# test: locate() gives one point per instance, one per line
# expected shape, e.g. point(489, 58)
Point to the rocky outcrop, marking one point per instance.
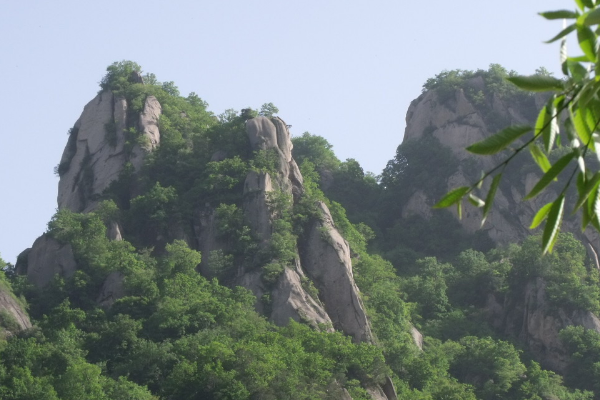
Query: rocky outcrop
point(529, 317)
point(290, 300)
point(13, 316)
point(326, 256)
point(112, 289)
point(97, 150)
point(288, 297)
point(45, 259)
point(458, 121)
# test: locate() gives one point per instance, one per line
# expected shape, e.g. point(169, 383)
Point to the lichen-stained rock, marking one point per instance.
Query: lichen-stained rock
point(46, 258)
point(529, 317)
point(97, 153)
point(325, 255)
point(290, 300)
point(12, 310)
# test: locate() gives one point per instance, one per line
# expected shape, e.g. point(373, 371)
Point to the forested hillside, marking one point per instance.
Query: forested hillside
point(202, 256)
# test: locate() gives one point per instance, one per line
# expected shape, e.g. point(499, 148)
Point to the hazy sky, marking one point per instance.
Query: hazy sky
point(345, 70)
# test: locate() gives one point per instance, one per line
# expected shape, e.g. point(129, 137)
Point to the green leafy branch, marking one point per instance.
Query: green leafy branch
point(578, 96)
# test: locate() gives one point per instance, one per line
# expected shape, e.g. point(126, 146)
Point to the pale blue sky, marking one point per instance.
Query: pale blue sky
point(345, 70)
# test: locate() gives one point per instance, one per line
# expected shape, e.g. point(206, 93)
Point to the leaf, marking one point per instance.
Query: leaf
point(563, 56)
point(580, 4)
point(476, 201)
point(551, 128)
point(592, 17)
point(539, 157)
point(452, 197)
point(543, 126)
point(559, 14)
point(581, 127)
point(498, 141)
point(589, 186)
point(587, 93)
point(577, 71)
point(540, 216)
point(489, 200)
point(459, 209)
point(537, 83)
point(550, 175)
point(587, 42)
point(563, 33)
point(553, 224)
point(588, 3)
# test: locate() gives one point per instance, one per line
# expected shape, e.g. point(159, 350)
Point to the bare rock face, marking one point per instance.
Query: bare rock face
point(11, 309)
point(458, 122)
point(257, 187)
point(537, 324)
point(96, 152)
point(290, 300)
point(112, 289)
point(148, 128)
point(326, 257)
point(46, 258)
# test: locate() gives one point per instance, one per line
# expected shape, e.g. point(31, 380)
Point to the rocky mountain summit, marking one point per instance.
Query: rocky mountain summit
point(454, 118)
point(315, 285)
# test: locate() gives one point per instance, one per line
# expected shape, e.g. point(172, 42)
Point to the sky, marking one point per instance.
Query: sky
point(344, 70)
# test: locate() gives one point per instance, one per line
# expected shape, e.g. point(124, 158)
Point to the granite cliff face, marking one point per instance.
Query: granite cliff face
point(457, 121)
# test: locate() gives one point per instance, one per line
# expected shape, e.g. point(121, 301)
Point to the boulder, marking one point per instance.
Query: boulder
point(46, 258)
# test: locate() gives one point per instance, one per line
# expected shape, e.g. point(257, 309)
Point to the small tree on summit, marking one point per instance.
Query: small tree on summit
point(268, 110)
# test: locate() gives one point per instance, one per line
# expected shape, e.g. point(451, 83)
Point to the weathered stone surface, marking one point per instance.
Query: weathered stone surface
point(257, 187)
point(95, 154)
point(536, 323)
point(376, 393)
point(417, 337)
point(148, 128)
point(252, 280)
point(112, 289)
point(92, 162)
point(13, 308)
point(113, 231)
point(326, 257)
point(46, 258)
point(290, 300)
point(284, 142)
point(457, 123)
point(262, 133)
